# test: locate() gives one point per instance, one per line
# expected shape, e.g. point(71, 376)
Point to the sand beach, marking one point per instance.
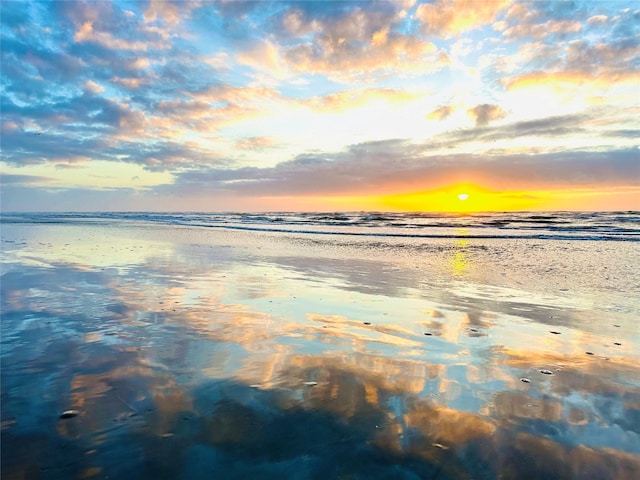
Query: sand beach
point(137, 349)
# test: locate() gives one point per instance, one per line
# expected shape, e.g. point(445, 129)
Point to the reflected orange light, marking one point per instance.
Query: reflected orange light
point(460, 261)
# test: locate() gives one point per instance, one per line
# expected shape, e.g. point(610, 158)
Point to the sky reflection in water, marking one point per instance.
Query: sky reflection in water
point(192, 354)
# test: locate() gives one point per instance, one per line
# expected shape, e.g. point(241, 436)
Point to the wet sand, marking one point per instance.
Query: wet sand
point(141, 351)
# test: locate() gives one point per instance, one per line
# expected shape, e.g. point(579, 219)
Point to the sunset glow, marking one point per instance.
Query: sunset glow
point(479, 199)
point(252, 106)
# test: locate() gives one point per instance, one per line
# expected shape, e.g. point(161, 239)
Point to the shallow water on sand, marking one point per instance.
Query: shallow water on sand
point(190, 353)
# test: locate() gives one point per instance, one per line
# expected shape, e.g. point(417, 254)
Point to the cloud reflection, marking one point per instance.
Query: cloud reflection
point(202, 361)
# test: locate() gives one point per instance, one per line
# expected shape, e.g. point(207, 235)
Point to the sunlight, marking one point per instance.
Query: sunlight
point(460, 260)
point(462, 198)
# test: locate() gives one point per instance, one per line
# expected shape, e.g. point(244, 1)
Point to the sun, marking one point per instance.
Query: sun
point(463, 196)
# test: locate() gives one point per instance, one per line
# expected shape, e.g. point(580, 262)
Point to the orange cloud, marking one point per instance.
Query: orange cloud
point(170, 13)
point(220, 105)
point(130, 82)
point(440, 113)
point(569, 79)
point(86, 33)
point(352, 46)
point(446, 18)
point(345, 61)
point(187, 108)
point(255, 143)
point(264, 55)
point(203, 116)
point(236, 95)
point(354, 98)
point(93, 87)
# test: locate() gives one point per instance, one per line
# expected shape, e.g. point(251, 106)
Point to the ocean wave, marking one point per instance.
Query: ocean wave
point(597, 226)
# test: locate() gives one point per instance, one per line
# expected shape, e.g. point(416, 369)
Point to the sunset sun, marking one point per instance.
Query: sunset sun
point(463, 196)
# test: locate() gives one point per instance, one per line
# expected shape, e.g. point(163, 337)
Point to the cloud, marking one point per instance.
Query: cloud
point(592, 124)
point(485, 113)
point(255, 143)
point(94, 99)
point(538, 21)
point(21, 147)
point(30, 69)
point(567, 65)
point(213, 107)
point(531, 12)
point(597, 19)
point(384, 167)
point(564, 80)
point(230, 94)
point(106, 25)
point(265, 55)
point(164, 155)
point(87, 33)
point(440, 113)
point(598, 58)
point(36, 198)
point(626, 133)
point(93, 87)
point(122, 55)
point(89, 81)
point(359, 60)
point(558, 22)
point(15, 179)
point(540, 30)
point(563, 125)
point(357, 97)
point(347, 44)
point(130, 83)
point(447, 18)
point(170, 13)
point(376, 168)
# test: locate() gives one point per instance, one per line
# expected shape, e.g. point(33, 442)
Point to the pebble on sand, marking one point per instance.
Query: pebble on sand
point(440, 446)
point(546, 372)
point(525, 380)
point(554, 332)
point(70, 413)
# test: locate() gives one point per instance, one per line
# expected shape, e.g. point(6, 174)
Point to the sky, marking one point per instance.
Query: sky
point(447, 105)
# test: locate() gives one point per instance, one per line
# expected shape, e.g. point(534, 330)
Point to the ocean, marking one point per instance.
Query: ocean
point(320, 345)
point(522, 225)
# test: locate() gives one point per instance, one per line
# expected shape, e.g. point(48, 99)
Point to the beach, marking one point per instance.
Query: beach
point(138, 347)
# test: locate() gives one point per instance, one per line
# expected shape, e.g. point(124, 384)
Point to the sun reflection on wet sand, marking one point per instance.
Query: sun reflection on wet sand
point(222, 357)
point(460, 260)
